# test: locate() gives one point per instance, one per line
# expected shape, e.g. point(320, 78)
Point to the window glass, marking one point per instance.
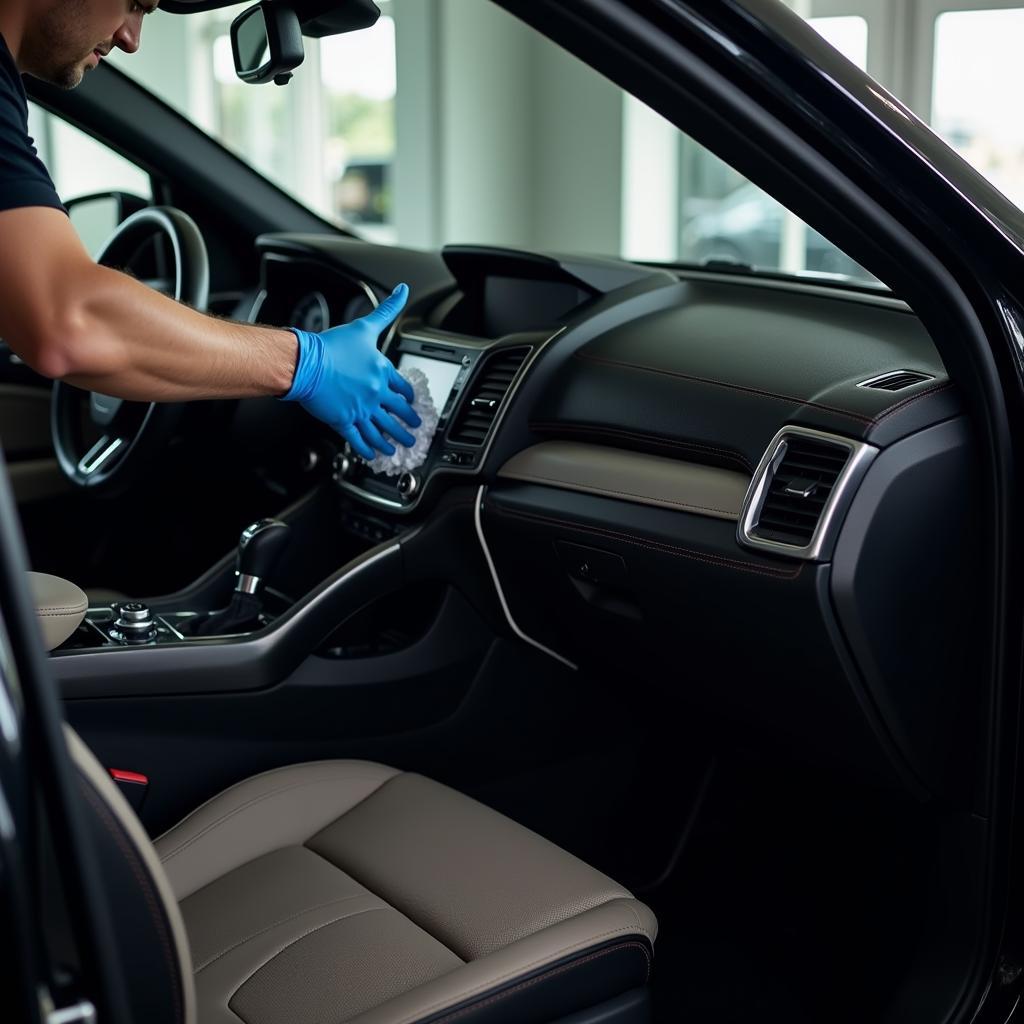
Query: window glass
point(328, 137)
point(81, 166)
point(726, 218)
point(978, 80)
point(359, 81)
point(848, 34)
point(78, 164)
point(456, 123)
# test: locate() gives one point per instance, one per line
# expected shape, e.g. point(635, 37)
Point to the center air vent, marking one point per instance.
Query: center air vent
point(805, 478)
point(486, 393)
point(897, 380)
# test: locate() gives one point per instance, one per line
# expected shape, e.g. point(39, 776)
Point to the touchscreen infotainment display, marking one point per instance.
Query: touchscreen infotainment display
point(440, 376)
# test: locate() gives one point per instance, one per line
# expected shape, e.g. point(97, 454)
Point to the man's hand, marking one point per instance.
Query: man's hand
point(342, 379)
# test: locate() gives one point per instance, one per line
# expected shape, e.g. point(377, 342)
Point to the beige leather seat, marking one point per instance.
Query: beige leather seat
point(345, 891)
point(60, 607)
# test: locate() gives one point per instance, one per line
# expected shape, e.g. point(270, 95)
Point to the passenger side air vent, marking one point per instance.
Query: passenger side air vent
point(802, 484)
point(897, 380)
point(486, 393)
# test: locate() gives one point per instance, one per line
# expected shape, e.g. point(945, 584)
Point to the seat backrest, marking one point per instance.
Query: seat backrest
point(150, 934)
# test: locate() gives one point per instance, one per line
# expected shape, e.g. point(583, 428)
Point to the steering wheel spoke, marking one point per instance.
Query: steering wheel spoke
point(132, 432)
point(103, 408)
point(102, 455)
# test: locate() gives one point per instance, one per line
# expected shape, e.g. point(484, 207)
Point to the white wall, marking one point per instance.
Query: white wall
point(578, 139)
point(485, 120)
point(162, 63)
point(502, 138)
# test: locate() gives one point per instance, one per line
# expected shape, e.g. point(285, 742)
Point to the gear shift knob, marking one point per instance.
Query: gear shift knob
point(259, 548)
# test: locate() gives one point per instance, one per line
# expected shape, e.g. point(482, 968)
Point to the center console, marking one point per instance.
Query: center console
point(470, 381)
point(474, 349)
point(475, 343)
point(252, 604)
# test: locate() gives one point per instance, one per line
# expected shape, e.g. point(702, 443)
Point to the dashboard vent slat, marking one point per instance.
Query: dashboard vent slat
point(480, 406)
point(799, 490)
point(897, 380)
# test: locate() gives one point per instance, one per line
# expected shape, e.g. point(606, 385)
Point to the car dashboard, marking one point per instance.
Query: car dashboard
point(746, 491)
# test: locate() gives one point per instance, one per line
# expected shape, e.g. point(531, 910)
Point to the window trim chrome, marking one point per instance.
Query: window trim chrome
point(820, 545)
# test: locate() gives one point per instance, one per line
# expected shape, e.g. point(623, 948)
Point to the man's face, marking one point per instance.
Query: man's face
point(65, 38)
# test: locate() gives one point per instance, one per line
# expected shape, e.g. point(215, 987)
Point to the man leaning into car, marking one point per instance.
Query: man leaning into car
point(71, 319)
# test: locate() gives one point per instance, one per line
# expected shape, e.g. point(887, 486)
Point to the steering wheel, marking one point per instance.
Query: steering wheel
point(130, 432)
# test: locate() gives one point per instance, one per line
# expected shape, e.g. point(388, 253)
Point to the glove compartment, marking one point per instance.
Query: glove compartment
point(641, 590)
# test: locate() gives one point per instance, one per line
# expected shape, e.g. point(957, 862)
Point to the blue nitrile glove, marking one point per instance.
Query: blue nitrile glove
point(342, 379)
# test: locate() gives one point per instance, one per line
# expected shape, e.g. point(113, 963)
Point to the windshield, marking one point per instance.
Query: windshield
point(430, 129)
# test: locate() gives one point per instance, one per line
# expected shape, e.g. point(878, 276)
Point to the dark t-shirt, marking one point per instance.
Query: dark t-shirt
point(24, 181)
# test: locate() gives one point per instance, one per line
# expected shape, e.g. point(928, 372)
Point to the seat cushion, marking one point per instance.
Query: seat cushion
point(348, 891)
point(60, 607)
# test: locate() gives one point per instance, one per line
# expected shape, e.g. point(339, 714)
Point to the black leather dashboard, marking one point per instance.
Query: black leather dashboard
point(608, 440)
point(717, 374)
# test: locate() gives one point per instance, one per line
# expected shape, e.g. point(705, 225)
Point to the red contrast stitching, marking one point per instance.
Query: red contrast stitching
point(871, 421)
point(653, 545)
point(899, 406)
point(642, 498)
point(544, 426)
point(100, 806)
point(725, 384)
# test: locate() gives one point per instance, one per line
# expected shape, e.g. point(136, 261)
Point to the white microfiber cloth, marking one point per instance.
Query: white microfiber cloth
point(404, 458)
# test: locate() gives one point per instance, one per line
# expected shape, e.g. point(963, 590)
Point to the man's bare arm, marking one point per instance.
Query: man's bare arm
point(73, 320)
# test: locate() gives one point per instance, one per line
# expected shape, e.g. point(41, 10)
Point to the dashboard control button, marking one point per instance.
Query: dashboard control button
point(458, 458)
point(408, 484)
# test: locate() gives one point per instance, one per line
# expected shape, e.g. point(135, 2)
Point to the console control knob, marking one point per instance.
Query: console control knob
point(133, 612)
point(408, 484)
point(342, 466)
point(134, 624)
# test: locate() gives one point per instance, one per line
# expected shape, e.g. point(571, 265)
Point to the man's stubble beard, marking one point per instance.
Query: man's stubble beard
point(55, 44)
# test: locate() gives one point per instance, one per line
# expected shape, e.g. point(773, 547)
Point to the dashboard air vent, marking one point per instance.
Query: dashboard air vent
point(486, 393)
point(897, 380)
point(799, 490)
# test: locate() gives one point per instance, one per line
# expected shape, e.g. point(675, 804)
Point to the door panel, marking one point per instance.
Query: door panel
point(25, 432)
point(25, 421)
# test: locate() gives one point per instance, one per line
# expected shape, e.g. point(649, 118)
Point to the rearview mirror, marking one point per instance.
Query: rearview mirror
point(266, 41)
